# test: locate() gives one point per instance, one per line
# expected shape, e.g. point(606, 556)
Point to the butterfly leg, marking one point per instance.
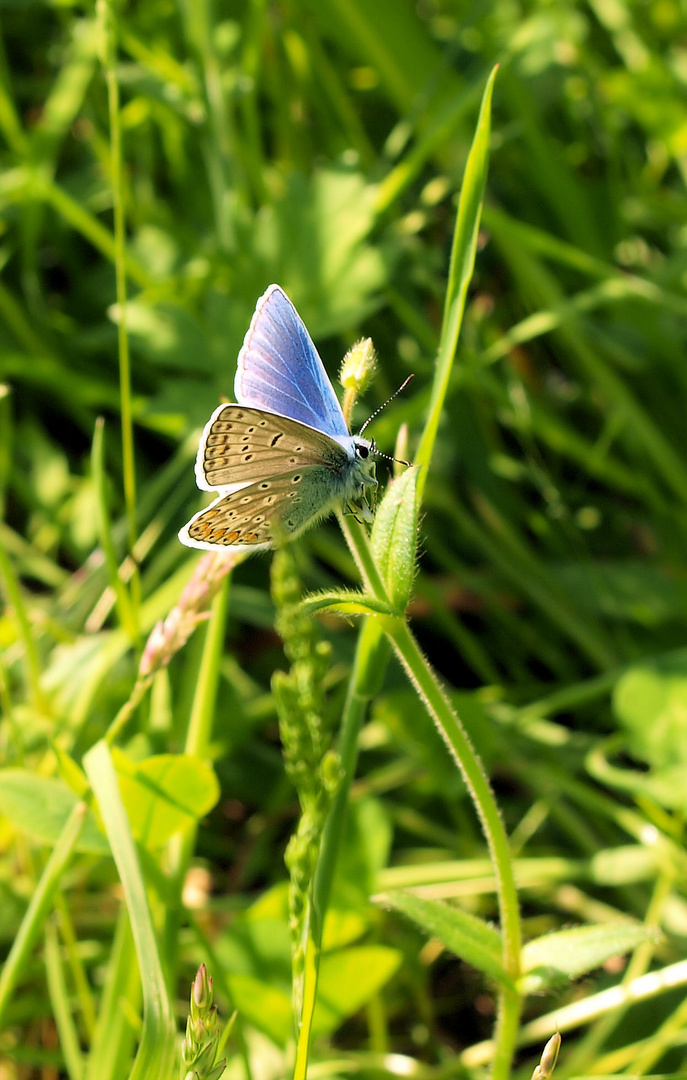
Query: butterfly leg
point(361, 509)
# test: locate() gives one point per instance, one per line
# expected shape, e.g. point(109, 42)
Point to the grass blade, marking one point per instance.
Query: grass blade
point(460, 273)
point(157, 1047)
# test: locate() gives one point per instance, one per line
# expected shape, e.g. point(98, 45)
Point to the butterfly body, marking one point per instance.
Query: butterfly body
point(282, 457)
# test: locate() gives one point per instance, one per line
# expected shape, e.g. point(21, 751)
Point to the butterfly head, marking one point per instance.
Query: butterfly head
point(365, 452)
point(361, 482)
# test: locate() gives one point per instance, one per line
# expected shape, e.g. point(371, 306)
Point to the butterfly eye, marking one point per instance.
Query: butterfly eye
point(362, 451)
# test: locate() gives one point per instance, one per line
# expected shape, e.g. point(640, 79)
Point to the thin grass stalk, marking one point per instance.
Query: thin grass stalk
point(123, 603)
point(108, 17)
point(61, 1004)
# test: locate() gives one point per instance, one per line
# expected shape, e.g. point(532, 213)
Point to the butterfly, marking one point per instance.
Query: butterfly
point(282, 457)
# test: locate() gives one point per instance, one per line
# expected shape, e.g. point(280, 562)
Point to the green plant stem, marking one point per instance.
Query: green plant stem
point(125, 608)
point(370, 664)
point(453, 733)
point(127, 710)
point(41, 902)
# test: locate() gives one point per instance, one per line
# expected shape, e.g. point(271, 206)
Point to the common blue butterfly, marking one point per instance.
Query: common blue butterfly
point(282, 457)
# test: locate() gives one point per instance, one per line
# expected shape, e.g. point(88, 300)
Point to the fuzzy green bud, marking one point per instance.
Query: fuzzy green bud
point(358, 366)
point(357, 369)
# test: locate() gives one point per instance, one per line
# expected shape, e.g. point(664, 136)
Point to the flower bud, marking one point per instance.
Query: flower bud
point(358, 366)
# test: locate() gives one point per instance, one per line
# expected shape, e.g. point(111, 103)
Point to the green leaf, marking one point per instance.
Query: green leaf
point(651, 702)
point(263, 1005)
point(350, 978)
point(566, 955)
point(394, 536)
point(463, 934)
point(39, 806)
point(348, 602)
point(164, 794)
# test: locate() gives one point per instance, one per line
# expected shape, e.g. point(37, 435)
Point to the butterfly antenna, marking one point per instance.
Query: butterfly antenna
point(369, 420)
point(383, 406)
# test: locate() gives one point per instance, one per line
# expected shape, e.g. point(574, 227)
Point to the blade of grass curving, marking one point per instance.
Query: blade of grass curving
point(535, 240)
point(41, 901)
point(108, 20)
point(460, 273)
point(157, 1048)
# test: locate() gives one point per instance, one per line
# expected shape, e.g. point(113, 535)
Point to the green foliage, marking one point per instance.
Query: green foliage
point(161, 165)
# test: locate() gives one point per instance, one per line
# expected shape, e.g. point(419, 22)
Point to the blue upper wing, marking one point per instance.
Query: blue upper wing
point(280, 370)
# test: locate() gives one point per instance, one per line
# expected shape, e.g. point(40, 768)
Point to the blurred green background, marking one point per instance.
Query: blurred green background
point(321, 146)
